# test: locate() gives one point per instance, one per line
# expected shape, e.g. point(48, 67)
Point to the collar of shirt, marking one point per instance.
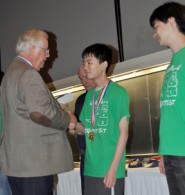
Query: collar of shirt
point(26, 60)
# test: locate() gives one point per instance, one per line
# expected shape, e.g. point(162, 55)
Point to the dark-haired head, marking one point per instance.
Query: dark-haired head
point(168, 10)
point(100, 51)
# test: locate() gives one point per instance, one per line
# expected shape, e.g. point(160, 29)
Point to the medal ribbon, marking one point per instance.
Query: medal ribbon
point(95, 107)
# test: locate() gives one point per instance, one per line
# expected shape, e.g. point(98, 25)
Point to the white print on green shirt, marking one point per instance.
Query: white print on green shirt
point(96, 130)
point(170, 87)
point(103, 114)
point(101, 117)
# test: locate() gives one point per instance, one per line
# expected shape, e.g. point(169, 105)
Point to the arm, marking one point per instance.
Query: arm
point(80, 129)
point(161, 165)
point(110, 177)
point(78, 108)
point(38, 102)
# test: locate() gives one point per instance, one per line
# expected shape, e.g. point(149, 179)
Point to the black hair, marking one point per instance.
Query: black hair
point(167, 10)
point(100, 51)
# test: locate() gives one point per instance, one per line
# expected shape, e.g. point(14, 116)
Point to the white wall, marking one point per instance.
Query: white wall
point(131, 65)
point(77, 24)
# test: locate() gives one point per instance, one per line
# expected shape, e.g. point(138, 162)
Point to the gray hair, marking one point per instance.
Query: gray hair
point(30, 38)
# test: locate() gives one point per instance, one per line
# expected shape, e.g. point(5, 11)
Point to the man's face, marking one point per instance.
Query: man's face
point(93, 68)
point(87, 83)
point(162, 32)
point(40, 54)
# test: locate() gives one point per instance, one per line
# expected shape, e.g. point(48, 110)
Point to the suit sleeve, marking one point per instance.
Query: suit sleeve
point(40, 104)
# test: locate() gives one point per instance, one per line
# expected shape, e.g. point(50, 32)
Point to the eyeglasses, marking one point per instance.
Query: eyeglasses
point(46, 50)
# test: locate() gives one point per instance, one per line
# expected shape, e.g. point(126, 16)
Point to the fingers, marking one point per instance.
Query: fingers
point(73, 119)
point(161, 166)
point(71, 132)
point(109, 183)
point(64, 106)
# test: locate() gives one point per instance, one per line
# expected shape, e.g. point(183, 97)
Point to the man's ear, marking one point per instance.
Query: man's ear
point(104, 65)
point(172, 20)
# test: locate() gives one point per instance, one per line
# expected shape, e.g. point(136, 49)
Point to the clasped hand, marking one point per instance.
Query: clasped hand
point(75, 128)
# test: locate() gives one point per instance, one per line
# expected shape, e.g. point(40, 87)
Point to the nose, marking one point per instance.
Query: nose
point(85, 66)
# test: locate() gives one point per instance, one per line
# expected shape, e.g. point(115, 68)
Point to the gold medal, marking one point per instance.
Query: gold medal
point(91, 136)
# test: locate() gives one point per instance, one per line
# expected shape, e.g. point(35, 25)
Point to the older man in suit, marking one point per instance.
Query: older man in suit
point(34, 145)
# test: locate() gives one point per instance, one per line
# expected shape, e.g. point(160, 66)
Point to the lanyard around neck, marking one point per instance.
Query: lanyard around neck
point(96, 106)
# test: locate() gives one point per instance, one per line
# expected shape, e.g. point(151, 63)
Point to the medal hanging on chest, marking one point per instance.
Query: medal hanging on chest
point(95, 109)
point(91, 136)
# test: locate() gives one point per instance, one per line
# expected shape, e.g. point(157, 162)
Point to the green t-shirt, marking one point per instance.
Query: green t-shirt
point(100, 151)
point(172, 108)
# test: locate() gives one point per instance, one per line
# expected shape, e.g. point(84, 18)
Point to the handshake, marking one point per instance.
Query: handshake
point(75, 127)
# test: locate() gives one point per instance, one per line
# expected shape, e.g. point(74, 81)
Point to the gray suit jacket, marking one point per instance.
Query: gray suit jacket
point(35, 141)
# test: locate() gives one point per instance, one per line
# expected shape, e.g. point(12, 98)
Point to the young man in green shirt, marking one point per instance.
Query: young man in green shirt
point(105, 117)
point(168, 22)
